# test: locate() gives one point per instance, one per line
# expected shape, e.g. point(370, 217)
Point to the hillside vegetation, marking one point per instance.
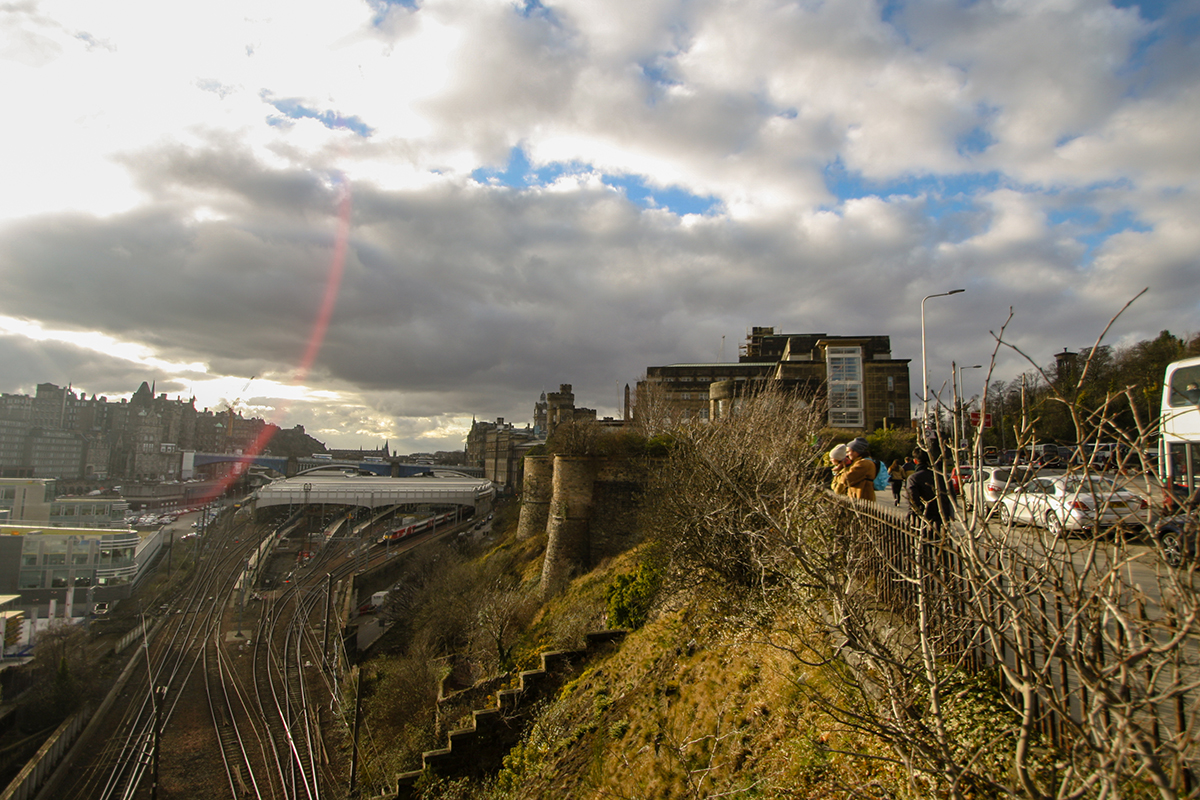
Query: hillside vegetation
point(707, 696)
point(783, 645)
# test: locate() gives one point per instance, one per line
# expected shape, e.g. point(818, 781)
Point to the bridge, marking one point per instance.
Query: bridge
point(336, 487)
point(292, 466)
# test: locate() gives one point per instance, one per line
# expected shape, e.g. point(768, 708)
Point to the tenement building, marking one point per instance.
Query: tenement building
point(499, 448)
point(854, 377)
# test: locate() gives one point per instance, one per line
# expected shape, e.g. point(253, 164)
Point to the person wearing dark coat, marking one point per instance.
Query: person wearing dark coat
point(925, 500)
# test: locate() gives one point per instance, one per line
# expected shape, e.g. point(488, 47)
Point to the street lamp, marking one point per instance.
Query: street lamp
point(924, 368)
point(959, 424)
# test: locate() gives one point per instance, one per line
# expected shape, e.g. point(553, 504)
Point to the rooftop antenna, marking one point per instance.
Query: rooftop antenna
point(721, 355)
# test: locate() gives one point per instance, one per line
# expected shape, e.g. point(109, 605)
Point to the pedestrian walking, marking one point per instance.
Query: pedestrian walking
point(897, 474)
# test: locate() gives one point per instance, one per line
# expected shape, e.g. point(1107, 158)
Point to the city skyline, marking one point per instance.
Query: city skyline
point(380, 220)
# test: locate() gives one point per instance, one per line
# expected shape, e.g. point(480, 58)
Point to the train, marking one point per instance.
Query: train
point(411, 528)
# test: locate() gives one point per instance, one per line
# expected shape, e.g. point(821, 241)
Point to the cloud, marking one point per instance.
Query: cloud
point(520, 179)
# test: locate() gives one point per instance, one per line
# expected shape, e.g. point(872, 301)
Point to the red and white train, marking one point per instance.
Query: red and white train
point(420, 526)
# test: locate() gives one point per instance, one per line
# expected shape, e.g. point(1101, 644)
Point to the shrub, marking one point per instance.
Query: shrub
point(629, 597)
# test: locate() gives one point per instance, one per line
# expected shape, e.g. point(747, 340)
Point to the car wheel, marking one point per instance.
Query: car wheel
point(1005, 515)
point(1171, 544)
point(1054, 524)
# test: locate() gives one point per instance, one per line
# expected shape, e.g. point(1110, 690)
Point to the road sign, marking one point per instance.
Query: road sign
point(987, 419)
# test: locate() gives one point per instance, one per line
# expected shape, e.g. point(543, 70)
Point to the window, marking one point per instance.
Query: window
point(29, 560)
point(891, 408)
point(845, 364)
point(845, 386)
point(1184, 387)
point(891, 386)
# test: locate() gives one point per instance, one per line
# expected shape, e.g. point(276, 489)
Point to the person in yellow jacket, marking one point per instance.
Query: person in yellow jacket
point(859, 476)
point(837, 457)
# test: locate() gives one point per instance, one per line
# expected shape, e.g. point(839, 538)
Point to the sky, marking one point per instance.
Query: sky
point(381, 220)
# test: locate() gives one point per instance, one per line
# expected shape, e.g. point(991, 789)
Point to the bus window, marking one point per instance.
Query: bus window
point(1184, 386)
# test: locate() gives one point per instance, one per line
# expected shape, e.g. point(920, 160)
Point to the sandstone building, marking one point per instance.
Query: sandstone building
point(863, 386)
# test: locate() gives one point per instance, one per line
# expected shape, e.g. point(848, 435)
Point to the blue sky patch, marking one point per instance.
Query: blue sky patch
point(1148, 9)
point(519, 174)
point(1091, 228)
point(295, 109)
point(974, 141)
point(672, 198)
point(847, 185)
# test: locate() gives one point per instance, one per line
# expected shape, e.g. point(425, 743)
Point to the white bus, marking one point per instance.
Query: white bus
point(1179, 428)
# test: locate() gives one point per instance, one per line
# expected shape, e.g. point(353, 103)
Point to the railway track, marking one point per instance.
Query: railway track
point(242, 715)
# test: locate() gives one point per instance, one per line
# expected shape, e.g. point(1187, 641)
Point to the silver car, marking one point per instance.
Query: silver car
point(996, 481)
point(1063, 503)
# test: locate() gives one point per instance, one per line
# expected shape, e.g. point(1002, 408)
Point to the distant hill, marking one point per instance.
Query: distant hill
point(294, 442)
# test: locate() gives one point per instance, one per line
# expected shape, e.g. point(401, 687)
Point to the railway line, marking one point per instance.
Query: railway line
point(233, 696)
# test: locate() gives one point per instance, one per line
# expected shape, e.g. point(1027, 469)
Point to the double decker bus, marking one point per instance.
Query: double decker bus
point(1179, 430)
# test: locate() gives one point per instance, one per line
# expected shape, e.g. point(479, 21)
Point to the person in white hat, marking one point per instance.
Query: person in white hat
point(837, 457)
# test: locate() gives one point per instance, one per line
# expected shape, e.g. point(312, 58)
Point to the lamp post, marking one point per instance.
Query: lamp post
point(960, 394)
point(924, 367)
point(960, 427)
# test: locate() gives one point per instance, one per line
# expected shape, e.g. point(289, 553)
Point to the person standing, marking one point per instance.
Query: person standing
point(896, 476)
point(859, 476)
point(925, 501)
point(837, 457)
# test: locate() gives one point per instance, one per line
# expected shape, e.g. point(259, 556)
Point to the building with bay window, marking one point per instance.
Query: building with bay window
point(861, 385)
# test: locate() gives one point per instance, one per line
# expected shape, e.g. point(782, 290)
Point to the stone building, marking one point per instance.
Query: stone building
point(863, 386)
point(499, 448)
point(58, 433)
point(559, 407)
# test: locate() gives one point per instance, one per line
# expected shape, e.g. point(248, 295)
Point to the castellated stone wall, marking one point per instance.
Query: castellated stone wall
point(590, 514)
point(538, 488)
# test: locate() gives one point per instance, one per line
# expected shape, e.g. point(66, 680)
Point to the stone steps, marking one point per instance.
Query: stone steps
point(480, 749)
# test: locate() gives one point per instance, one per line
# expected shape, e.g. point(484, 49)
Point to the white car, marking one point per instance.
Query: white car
point(1063, 503)
point(996, 481)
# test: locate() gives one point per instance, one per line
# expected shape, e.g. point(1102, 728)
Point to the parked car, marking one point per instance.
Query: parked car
point(958, 476)
point(996, 481)
point(1176, 540)
point(1176, 535)
point(1072, 502)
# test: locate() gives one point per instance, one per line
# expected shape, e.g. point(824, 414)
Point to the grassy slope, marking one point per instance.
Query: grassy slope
point(693, 704)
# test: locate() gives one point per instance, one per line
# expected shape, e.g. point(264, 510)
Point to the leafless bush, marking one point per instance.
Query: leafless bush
point(1090, 638)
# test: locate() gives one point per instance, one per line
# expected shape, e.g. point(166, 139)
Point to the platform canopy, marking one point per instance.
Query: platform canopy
point(374, 491)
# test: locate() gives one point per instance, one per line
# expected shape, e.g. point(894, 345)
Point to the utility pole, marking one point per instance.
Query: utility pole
point(357, 725)
point(328, 605)
point(160, 698)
